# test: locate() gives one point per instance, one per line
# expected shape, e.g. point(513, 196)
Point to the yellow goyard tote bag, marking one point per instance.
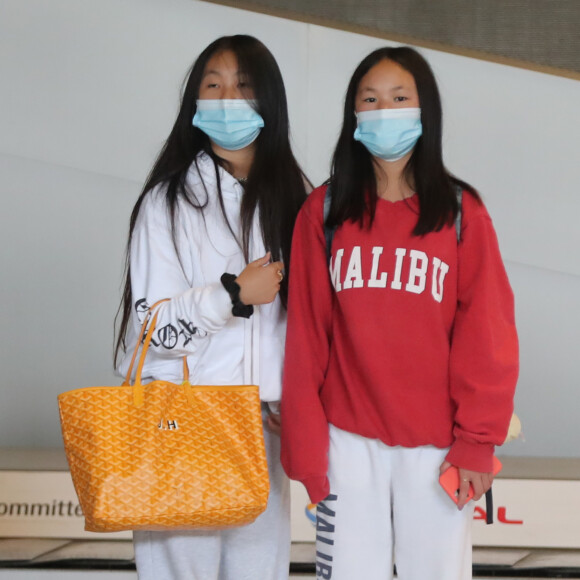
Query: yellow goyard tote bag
point(162, 455)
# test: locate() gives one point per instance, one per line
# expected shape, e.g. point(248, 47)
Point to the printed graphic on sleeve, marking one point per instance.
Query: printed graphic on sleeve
point(141, 308)
point(188, 331)
point(168, 335)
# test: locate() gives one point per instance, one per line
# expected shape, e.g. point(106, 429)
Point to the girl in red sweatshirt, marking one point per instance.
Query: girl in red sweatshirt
point(401, 351)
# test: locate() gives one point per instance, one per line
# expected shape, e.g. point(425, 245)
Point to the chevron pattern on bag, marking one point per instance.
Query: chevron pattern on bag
point(189, 457)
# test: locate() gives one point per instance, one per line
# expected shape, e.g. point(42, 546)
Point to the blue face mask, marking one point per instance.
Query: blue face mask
point(389, 133)
point(230, 123)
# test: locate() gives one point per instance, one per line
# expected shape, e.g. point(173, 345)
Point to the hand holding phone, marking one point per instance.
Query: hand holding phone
point(449, 480)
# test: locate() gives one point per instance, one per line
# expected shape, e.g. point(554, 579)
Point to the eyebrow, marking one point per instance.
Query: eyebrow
point(373, 90)
point(217, 72)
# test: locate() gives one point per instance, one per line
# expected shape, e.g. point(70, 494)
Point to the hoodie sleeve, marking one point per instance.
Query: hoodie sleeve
point(158, 271)
point(305, 437)
point(484, 349)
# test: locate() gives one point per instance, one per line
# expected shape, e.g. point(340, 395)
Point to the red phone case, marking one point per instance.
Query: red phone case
point(449, 480)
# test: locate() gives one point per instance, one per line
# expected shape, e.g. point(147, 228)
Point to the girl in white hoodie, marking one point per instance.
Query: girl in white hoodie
point(211, 231)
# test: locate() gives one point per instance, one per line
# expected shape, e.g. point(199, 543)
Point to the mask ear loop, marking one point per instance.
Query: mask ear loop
point(355, 120)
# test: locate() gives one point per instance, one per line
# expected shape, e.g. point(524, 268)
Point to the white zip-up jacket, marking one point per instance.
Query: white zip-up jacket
point(197, 321)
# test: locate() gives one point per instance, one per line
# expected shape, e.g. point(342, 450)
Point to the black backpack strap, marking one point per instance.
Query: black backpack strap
point(328, 232)
point(488, 493)
point(488, 507)
point(459, 194)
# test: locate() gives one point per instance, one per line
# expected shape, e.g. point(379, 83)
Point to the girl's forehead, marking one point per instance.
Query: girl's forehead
point(224, 60)
point(386, 73)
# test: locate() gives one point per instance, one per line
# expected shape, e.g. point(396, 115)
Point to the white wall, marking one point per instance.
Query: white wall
point(89, 92)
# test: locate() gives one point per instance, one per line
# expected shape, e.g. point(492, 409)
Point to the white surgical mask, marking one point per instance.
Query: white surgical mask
point(230, 123)
point(389, 133)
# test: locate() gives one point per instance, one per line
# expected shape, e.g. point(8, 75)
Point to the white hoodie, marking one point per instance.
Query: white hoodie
point(197, 321)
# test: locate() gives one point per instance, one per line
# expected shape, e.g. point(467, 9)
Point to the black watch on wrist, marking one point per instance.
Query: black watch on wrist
point(233, 289)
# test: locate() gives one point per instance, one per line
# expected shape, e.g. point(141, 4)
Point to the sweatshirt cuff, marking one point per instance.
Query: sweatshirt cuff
point(219, 305)
point(473, 456)
point(317, 487)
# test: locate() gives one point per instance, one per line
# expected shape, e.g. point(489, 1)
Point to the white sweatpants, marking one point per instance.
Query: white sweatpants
point(386, 507)
point(258, 551)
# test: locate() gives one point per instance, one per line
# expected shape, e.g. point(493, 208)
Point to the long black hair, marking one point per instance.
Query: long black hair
point(353, 183)
point(275, 184)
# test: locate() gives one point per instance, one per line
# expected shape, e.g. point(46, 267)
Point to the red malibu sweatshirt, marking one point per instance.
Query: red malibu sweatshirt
point(410, 340)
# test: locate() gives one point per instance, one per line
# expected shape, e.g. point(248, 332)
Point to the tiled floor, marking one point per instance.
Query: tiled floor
point(490, 562)
point(13, 574)
point(50, 559)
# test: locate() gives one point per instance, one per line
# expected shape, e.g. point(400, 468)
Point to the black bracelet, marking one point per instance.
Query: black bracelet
point(233, 289)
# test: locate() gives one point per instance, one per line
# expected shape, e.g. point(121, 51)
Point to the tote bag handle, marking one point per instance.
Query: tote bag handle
point(138, 389)
point(127, 381)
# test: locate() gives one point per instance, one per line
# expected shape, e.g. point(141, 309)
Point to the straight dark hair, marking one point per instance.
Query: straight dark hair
point(353, 183)
point(276, 184)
